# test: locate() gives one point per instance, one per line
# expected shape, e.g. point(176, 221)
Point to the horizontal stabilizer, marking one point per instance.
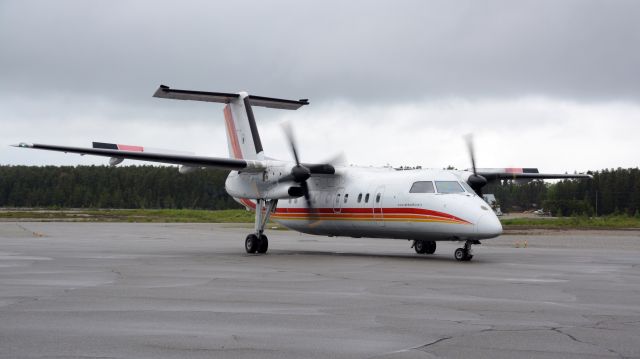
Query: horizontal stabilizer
point(221, 97)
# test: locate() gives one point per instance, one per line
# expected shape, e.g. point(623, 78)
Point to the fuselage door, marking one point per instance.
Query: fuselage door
point(378, 198)
point(337, 200)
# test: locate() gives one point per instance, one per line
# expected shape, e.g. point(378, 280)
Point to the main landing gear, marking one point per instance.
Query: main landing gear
point(464, 254)
point(257, 242)
point(424, 247)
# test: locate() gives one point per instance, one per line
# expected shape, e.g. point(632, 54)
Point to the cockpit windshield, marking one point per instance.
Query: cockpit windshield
point(467, 187)
point(449, 187)
point(422, 187)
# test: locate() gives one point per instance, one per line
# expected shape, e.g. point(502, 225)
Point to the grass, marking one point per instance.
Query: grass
point(134, 215)
point(581, 222)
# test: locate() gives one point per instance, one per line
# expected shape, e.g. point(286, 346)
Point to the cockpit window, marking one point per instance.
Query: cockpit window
point(449, 187)
point(422, 187)
point(467, 187)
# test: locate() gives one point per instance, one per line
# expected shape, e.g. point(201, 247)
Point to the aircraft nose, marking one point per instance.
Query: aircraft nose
point(488, 226)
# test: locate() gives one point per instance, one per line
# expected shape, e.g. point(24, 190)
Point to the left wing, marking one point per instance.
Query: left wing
point(135, 153)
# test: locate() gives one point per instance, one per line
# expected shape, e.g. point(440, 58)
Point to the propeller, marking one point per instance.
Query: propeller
point(476, 181)
point(301, 173)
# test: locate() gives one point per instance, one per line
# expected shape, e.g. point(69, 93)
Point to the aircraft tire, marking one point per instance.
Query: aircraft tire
point(263, 245)
point(462, 255)
point(419, 246)
point(430, 247)
point(251, 244)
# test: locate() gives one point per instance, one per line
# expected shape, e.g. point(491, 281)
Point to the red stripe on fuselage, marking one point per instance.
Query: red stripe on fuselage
point(131, 148)
point(247, 203)
point(231, 132)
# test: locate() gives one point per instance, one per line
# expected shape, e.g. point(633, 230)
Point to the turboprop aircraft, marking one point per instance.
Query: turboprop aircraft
point(423, 205)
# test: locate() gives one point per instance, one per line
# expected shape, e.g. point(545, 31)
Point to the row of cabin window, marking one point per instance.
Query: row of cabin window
point(346, 198)
point(442, 186)
point(366, 198)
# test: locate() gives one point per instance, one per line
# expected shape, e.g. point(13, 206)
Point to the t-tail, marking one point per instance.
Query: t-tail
point(243, 138)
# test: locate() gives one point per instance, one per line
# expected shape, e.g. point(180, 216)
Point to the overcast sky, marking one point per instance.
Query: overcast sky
point(547, 84)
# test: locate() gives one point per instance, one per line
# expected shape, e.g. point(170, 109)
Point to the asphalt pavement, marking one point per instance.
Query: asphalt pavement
point(119, 290)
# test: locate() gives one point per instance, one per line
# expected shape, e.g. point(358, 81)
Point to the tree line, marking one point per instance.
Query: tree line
point(113, 187)
point(611, 191)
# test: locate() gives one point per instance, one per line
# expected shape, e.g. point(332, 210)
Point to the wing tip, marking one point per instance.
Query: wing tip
point(23, 145)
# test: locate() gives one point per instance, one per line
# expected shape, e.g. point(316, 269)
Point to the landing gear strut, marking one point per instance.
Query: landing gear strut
point(424, 247)
point(257, 242)
point(465, 254)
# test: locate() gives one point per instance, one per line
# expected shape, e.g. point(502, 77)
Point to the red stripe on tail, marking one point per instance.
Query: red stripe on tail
point(231, 132)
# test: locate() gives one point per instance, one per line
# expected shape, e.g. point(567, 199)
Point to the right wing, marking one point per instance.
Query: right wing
point(136, 153)
point(523, 173)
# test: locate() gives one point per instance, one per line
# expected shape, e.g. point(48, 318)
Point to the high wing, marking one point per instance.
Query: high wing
point(177, 159)
point(523, 173)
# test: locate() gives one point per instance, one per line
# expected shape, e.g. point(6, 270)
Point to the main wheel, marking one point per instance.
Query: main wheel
point(430, 247)
point(264, 244)
point(419, 246)
point(251, 244)
point(460, 254)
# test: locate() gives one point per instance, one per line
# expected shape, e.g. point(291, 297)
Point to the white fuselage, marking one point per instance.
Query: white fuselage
point(378, 203)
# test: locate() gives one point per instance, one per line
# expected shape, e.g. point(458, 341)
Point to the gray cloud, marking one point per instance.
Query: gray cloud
point(356, 50)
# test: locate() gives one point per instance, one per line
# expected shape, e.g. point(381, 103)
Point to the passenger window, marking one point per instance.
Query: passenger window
point(346, 196)
point(449, 187)
point(360, 198)
point(422, 187)
point(378, 198)
point(366, 198)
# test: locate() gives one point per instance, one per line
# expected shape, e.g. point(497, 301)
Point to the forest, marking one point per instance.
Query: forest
point(611, 191)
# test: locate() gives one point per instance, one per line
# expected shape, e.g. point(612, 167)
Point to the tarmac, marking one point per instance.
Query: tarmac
point(126, 290)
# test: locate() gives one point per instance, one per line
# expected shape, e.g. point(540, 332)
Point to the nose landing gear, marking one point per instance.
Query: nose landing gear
point(465, 254)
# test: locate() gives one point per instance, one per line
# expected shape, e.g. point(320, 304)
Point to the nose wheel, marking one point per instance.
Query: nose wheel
point(464, 254)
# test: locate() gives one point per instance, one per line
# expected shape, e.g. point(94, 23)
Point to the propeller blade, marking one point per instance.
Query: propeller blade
point(476, 181)
point(288, 131)
point(469, 140)
point(300, 173)
point(313, 216)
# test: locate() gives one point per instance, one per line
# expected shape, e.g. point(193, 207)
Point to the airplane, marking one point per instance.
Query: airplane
point(421, 205)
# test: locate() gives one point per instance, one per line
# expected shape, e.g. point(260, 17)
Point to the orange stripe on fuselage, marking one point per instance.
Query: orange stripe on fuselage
point(367, 214)
point(231, 132)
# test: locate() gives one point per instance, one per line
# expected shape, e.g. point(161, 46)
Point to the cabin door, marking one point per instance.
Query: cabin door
point(378, 199)
point(337, 200)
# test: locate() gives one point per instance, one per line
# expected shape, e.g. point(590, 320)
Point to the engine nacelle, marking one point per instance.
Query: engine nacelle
point(245, 185)
point(114, 161)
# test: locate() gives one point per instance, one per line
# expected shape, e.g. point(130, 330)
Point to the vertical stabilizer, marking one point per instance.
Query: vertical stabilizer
point(242, 132)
